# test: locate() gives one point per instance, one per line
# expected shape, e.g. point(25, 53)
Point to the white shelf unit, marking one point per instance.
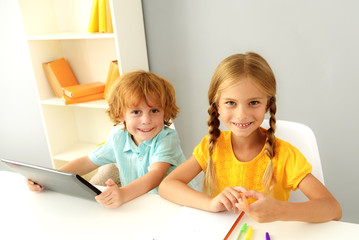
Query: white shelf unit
point(58, 28)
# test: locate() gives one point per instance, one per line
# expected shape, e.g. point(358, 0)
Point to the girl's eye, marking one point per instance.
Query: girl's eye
point(154, 111)
point(254, 103)
point(230, 103)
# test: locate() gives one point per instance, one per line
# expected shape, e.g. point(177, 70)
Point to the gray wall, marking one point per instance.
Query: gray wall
point(21, 130)
point(312, 47)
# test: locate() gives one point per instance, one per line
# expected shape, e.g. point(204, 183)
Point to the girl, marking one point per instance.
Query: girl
point(248, 162)
point(145, 149)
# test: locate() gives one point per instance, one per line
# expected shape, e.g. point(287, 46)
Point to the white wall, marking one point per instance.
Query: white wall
point(21, 131)
point(312, 47)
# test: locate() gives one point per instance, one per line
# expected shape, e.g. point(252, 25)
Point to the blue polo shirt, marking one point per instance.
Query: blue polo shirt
point(134, 161)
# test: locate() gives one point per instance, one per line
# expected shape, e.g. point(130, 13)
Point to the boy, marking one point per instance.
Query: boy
point(145, 149)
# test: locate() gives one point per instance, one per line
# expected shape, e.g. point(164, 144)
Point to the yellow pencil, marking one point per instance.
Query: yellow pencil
point(249, 233)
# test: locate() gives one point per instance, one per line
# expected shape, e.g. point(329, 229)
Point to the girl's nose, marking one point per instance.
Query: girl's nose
point(241, 112)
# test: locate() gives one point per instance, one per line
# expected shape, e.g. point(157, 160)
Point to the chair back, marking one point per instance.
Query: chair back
point(303, 138)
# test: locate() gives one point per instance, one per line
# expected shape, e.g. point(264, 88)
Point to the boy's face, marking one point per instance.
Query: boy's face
point(144, 122)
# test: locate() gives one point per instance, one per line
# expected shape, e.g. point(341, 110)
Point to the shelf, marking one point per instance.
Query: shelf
point(58, 28)
point(70, 36)
point(92, 104)
point(76, 151)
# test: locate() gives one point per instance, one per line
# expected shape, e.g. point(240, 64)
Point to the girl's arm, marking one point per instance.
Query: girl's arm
point(321, 207)
point(114, 196)
point(174, 188)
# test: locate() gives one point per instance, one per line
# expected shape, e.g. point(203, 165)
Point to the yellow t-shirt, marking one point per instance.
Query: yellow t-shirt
point(290, 166)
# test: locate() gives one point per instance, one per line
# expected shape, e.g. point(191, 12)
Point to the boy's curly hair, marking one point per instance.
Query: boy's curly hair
point(130, 88)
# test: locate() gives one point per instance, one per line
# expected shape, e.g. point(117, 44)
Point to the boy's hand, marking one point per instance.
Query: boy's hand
point(265, 209)
point(227, 199)
point(111, 197)
point(34, 187)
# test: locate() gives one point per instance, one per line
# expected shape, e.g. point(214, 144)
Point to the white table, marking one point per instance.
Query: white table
point(50, 215)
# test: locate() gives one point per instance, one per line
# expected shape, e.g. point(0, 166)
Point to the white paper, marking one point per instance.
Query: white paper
point(190, 223)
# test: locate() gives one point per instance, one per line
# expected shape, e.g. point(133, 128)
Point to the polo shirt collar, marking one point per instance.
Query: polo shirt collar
point(130, 145)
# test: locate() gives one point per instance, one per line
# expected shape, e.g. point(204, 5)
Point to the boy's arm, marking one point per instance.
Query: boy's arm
point(113, 196)
point(149, 181)
point(80, 166)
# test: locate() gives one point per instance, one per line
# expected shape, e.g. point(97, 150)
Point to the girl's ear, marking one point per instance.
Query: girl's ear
point(216, 105)
point(269, 103)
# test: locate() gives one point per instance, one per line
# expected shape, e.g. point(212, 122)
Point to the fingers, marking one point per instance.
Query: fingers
point(106, 201)
point(104, 198)
point(243, 202)
point(110, 182)
point(229, 197)
point(254, 194)
point(240, 189)
point(264, 209)
point(241, 205)
point(34, 187)
point(235, 198)
point(111, 197)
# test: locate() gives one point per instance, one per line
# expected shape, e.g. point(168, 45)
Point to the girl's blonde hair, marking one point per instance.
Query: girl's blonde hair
point(229, 72)
point(133, 87)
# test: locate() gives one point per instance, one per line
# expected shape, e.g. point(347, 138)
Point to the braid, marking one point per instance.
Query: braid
point(268, 180)
point(214, 132)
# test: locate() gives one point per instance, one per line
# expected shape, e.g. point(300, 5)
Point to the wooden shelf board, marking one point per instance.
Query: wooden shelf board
point(92, 104)
point(76, 151)
point(70, 36)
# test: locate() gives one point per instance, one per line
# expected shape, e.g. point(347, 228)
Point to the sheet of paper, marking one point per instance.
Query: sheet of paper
point(190, 223)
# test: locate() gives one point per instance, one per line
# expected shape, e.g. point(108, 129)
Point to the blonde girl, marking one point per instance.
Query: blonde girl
point(247, 168)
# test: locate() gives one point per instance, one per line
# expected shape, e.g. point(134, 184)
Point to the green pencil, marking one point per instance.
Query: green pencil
point(243, 229)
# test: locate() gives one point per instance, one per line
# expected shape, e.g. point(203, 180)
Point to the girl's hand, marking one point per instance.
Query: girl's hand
point(34, 187)
point(111, 197)
point(265, 209)
point(227, 199)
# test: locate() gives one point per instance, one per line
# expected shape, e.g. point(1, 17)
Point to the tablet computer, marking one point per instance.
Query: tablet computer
point(55, 180)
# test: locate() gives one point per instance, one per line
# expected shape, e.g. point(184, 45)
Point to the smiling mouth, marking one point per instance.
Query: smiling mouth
point(242, 124)
point(145, 130)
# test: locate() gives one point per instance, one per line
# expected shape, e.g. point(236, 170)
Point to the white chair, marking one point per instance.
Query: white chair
point(303, 138)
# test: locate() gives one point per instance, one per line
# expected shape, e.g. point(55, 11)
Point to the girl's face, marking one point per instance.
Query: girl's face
point(144, 122)
point(242, 107)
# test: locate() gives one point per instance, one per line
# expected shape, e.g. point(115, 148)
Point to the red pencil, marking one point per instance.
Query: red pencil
point(234, 225)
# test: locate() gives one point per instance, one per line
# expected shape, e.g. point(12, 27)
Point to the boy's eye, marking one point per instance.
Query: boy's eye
point(154, 111)
point(135, 112)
